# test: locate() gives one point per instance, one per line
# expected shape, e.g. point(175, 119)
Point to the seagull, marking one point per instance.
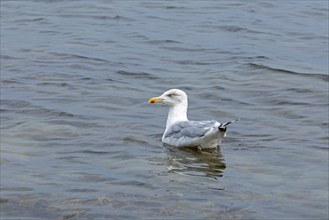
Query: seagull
point(180, 132)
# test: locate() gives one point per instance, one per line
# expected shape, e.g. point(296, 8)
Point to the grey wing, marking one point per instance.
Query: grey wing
point(189, 129)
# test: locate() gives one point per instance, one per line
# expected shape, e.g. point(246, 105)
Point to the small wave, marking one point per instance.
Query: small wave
point(96, 152)
point(117, 18)
point(6, 57)
point(174, 7)
point(30, 20)
point(24, 107)
point(234, 28)
point(140, 75)
point(67, 55)
point(162, 42)
point(184, 49)
point(193, 62)
point(99, 17)
point(323, 77)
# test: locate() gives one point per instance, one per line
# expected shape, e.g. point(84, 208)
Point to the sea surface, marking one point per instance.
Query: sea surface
point(80, 141)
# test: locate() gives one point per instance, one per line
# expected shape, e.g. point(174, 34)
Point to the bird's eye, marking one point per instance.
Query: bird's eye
point(171, 95)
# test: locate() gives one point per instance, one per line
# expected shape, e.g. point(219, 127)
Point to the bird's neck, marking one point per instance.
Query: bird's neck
point(177, 113)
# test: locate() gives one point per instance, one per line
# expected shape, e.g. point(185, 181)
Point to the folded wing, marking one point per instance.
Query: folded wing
point(189, 133)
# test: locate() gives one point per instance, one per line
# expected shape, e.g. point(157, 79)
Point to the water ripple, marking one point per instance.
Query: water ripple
point(79, 140)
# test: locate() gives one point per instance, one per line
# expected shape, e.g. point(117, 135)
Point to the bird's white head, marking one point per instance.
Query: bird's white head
point(172, 97)
point(177, 101)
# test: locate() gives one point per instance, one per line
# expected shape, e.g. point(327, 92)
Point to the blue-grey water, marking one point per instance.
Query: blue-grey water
point(79, 141)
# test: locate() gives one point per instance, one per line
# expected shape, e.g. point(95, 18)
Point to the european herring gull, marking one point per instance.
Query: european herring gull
point(180, 132)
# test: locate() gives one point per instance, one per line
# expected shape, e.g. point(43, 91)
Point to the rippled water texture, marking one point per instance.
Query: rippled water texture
point(79, 141)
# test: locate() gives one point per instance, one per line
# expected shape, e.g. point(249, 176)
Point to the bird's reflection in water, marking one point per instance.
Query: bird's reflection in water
point(192, 161)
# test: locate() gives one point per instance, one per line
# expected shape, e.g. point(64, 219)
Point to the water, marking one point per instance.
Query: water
point(79, 141)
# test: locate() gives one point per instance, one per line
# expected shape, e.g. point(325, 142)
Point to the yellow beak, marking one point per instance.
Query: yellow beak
point(155, 100)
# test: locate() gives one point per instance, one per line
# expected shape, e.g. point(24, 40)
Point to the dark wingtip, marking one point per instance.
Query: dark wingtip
point(222, 128)
point(227, 123)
